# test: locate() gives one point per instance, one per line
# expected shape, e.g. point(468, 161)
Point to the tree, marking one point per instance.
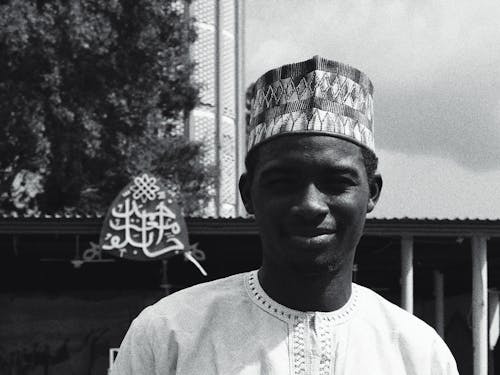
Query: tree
point(94, 92)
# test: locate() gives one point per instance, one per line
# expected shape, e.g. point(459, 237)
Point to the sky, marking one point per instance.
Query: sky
point(435, 66)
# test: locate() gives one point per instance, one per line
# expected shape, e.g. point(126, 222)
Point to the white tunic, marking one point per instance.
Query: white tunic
point(231, 326)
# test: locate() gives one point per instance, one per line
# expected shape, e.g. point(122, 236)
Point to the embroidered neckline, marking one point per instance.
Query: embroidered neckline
point(266, 303)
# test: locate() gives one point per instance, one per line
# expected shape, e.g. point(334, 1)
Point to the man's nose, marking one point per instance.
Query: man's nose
point(310, 203)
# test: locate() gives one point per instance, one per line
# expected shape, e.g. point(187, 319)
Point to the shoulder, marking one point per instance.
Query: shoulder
point(196, 301)
point(395, 324)
point(417, 341)
point(377, 310)
point(178, 320)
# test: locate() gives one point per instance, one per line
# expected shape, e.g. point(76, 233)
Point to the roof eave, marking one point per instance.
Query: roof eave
point(247, 226)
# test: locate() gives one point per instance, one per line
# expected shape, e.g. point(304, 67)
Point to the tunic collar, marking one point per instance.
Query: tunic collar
point(266, 303)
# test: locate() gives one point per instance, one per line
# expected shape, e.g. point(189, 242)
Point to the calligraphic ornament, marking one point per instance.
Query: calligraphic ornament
point(144, 222)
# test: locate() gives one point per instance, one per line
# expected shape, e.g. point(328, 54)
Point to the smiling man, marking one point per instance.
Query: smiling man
point(310, 181)
point(310, 194)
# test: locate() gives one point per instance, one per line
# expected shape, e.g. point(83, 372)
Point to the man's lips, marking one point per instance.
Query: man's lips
point(310, 233)
point(312, 239)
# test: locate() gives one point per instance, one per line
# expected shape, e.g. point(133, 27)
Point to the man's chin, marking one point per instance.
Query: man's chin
point(316, 269)
point(314, 258)
point(314, 261)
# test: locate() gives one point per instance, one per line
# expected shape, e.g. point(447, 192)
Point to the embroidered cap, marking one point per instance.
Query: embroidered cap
point(316, 96)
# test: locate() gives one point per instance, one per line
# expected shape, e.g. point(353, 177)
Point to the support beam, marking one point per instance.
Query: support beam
point(439, 302)
point(164, 277)
point(241, 144)
point(493, 318)
point(480, 305)
point(218, 101)
point(407, 273)
point(186, 14)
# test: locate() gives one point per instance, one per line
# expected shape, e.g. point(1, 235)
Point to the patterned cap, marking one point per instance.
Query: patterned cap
point(316, 96)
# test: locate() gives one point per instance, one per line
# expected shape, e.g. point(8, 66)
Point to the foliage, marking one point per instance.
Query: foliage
point(92, 92)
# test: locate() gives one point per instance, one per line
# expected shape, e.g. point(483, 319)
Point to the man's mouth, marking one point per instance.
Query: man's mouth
point(312, 237)
point(314, 242)
point(312, 232)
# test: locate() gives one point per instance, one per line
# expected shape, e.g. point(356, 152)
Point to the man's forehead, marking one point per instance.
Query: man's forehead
point(308, 149)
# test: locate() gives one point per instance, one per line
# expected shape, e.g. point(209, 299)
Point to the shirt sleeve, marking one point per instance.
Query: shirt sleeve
point(443, 362)
point(136, 354)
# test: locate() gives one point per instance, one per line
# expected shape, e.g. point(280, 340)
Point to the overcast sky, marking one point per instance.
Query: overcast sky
point(435, 66)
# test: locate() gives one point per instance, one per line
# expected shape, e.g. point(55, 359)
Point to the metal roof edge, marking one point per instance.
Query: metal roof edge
point(247, 226)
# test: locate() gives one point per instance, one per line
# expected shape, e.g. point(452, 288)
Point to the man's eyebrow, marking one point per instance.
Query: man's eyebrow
point(342, 169)
point(276, 169)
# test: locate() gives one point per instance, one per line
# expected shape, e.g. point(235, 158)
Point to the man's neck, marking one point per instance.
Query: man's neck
point(328, 291)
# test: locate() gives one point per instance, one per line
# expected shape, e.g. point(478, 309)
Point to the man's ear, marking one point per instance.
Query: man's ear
point(245, 187)
point(375, 189)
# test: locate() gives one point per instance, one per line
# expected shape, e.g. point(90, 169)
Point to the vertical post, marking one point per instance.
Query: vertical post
point(407, 273)
point(479, 305)
point(439, 302)
point(77, 247)
point(218, 100)
point(240, 99)
point(493, 318)
point(15, 243)
point(164, 277)
point(493, 327)
point(186, 15)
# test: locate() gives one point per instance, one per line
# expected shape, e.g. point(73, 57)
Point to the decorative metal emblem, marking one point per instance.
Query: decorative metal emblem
point(144, 222)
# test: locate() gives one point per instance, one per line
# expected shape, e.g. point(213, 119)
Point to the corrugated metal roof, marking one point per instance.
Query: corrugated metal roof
point(88, 224)
point(369, 217)
point(434, 218)
point(53, 216)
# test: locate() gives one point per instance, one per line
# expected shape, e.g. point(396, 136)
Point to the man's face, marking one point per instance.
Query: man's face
point(310, 196)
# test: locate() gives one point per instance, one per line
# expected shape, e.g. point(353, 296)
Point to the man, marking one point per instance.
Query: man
point(310, 181)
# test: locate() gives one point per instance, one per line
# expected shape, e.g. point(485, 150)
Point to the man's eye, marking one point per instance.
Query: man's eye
point(280, 181)
point(336, 184)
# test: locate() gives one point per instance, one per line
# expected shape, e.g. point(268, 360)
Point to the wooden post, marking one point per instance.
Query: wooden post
point(493, 318)
point(241, 145)
point(439, 302)
point(218, 100)
point(185, 18)
point(164, 277)
point(493, 327)
point(77, 247)
point(15, 243)
point(480, 305)
point(407, 273)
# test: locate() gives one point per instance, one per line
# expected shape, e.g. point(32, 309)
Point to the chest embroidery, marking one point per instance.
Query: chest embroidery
point(311, 344)
point(298, 349)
